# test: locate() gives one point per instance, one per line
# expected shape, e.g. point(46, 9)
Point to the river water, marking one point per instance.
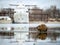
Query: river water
point(22, 38)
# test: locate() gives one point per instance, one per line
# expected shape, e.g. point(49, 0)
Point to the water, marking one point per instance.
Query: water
point(22, 38)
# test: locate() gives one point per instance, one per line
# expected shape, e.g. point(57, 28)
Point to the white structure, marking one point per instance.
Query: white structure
point(21, 16)
point(5, 20)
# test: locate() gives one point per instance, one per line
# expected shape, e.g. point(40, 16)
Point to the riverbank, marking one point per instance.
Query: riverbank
point(40, 22)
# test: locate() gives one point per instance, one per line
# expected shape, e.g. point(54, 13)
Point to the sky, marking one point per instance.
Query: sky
point(40, 3)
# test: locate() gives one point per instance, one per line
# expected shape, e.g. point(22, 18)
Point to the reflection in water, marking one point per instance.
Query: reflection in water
point(7, 33)
point(54, 36)
point(42, 36)
point(50, 35)
point(6, 37)
point(46, 36)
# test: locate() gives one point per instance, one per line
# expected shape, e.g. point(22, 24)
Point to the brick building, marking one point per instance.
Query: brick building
point(36, 14)
point(51, 14)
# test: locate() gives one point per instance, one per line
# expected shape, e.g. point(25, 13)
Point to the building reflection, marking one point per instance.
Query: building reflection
point(33, 34)
point(52, 35)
